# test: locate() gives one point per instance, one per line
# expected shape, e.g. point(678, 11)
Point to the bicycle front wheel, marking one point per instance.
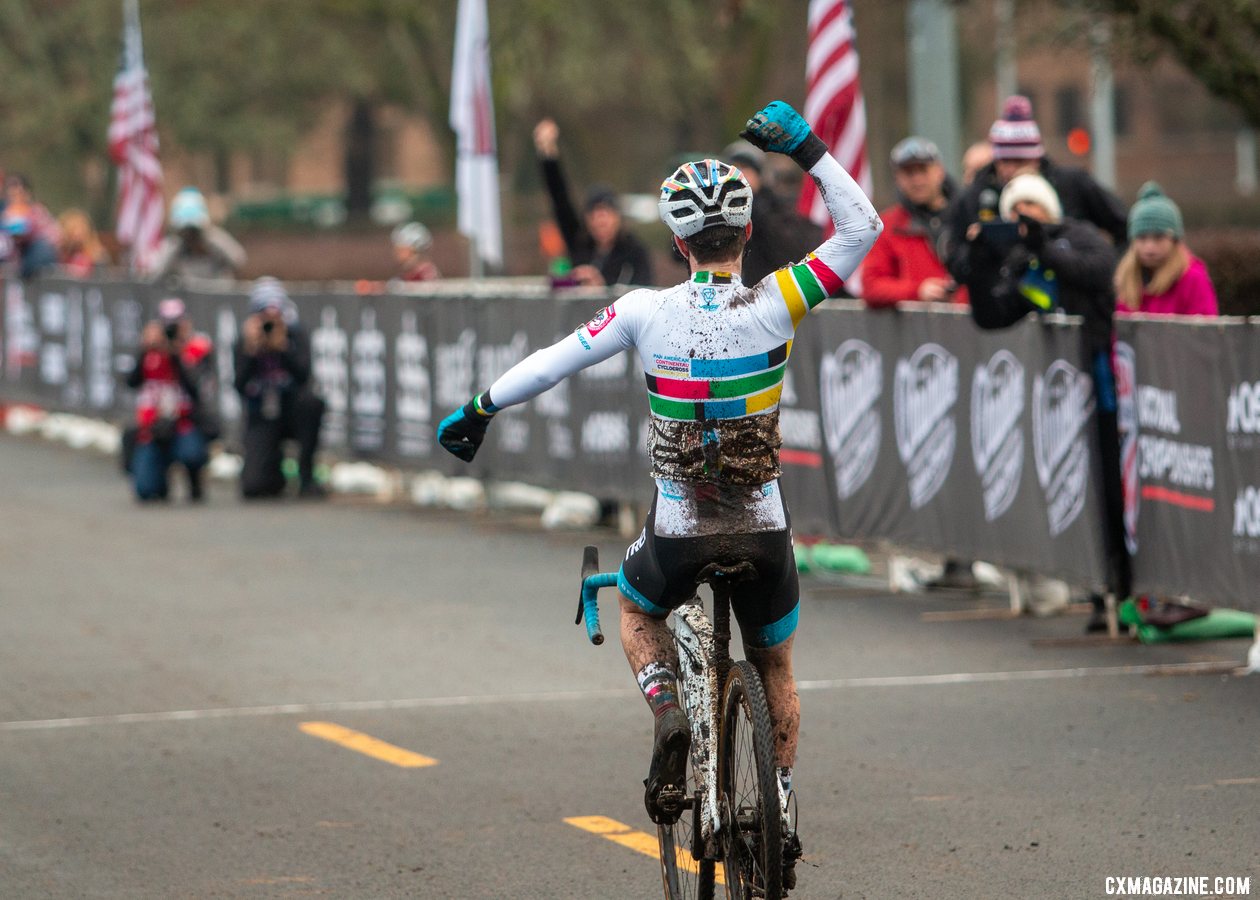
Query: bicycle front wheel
point(752, 823)
point(683, 876)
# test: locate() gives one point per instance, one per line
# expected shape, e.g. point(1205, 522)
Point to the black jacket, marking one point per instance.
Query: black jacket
point(625, 263)
point(1076, 256)
point(290, 371)
point(1081, 197)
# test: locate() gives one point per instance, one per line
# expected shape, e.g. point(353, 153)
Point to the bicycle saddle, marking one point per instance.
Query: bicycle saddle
point(714, 573)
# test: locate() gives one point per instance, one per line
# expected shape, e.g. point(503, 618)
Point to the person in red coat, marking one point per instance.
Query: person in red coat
point(904, 263)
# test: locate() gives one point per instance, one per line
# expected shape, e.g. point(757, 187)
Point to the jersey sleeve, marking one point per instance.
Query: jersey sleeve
point(794, 290)
point(610, 331)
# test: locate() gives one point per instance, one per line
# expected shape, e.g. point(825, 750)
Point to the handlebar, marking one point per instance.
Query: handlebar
point(588, 601)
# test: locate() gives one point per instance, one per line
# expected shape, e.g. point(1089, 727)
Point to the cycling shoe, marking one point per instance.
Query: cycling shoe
point(667, 776)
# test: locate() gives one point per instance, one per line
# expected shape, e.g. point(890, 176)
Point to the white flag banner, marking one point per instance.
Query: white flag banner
point(472, 119)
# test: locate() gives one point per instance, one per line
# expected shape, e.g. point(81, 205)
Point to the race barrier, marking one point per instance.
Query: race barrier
point(910, 426)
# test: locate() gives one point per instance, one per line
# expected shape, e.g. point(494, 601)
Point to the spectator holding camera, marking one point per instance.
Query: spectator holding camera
point(273, 377)
point(600, 248)
point(197, 248)
point(1036, 260)
point(1017, 150)
point(168, 427)
point(904, 263)
point(1158, 275)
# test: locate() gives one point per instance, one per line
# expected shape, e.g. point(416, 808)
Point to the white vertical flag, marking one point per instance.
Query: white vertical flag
point(472, 119)
point(133, 146)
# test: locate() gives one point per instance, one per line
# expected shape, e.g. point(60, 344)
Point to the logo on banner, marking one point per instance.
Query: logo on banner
point(1247, 520)
point(997, 443)
point(1242, 421)
point(367, 374)
point(600, 321)
point(1183, 468)
point(924, 393)
point(850, 383)
point(330, 364)
point(75, 393)
point(1062, 403)
point(52, 352)
point(606, 432)
point(415, 398)
point(100, 353)
point(1125, 364)
point(225, 364)
point(453, 370)
point(801, 429)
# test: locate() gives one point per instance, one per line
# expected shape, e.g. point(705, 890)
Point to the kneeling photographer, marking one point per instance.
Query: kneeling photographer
point(168, 428)
point(1034, 260)
point(273, 374)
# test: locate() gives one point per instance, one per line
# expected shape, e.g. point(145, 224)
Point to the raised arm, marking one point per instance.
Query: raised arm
point(778, 128)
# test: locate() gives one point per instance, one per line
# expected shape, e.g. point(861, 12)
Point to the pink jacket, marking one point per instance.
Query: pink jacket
point(1192, 295)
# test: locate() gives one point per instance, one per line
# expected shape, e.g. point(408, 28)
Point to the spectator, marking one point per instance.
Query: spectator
point(600, 248)
point(904, 264)
point(412, 243)
point(1017, 150)
point(273, 374)
point(80, 251)
point(1158, 274)
point(168, 403)
point(780, 235)
point(1037, 260)
point(198, 248)
point(31, 229)
point(975, 158)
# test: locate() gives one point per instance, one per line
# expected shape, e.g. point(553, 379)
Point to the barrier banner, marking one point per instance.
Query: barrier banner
point(1190, 446)
point(978, 444)
point(910, 426)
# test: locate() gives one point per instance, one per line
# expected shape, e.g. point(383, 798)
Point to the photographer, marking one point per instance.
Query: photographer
point(168, 403)
point(273, 373)
point(197, 248)
point(1035, 260)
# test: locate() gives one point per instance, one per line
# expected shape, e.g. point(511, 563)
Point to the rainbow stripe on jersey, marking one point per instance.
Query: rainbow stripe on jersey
point(805, 286)
point(719, 388)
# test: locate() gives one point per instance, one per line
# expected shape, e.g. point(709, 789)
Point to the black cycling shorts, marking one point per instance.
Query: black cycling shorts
point(659, 575)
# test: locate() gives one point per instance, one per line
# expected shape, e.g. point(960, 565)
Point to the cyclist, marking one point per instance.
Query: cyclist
point(713, 351)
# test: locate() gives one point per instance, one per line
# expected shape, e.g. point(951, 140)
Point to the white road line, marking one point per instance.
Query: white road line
point(288, 709)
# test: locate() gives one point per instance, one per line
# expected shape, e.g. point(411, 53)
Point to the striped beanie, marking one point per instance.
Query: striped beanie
point(1015, 135)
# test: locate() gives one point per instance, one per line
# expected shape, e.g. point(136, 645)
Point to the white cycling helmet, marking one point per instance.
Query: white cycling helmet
point(413, 236)
point(702, 194)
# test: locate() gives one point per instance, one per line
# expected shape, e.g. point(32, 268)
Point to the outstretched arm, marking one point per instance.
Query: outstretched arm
point(608, 333)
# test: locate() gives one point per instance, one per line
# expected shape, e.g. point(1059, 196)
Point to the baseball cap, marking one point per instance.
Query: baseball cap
point(914, 149)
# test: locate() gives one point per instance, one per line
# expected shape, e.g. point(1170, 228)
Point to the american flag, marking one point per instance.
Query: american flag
point(834, 106)
point(133, 146)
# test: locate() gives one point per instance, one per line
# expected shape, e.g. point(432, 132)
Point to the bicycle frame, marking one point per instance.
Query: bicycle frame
point(698, 652)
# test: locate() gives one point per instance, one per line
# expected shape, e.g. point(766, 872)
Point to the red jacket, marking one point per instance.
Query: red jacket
point(899, 262)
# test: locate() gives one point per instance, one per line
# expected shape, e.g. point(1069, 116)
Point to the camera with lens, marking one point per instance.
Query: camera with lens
point(172, 330)
point(268, 326)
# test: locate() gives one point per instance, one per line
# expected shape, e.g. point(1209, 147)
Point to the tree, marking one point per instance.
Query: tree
point(1215, 40)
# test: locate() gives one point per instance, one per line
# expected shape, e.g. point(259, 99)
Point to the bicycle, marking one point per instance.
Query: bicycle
point(734, 814)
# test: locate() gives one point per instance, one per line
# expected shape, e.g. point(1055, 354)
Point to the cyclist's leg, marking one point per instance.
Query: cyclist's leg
point(766, 610)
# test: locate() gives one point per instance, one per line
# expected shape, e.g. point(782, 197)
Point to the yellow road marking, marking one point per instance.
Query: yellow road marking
point(367, 745)
point(638, 841)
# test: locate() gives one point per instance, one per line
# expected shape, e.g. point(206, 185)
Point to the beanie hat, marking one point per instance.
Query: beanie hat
point(1015, 135)
point(1029, 188)
point(171, 309)
point(267, 293)
point(1155, 213)
point(744, 155)
point(189, 210)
